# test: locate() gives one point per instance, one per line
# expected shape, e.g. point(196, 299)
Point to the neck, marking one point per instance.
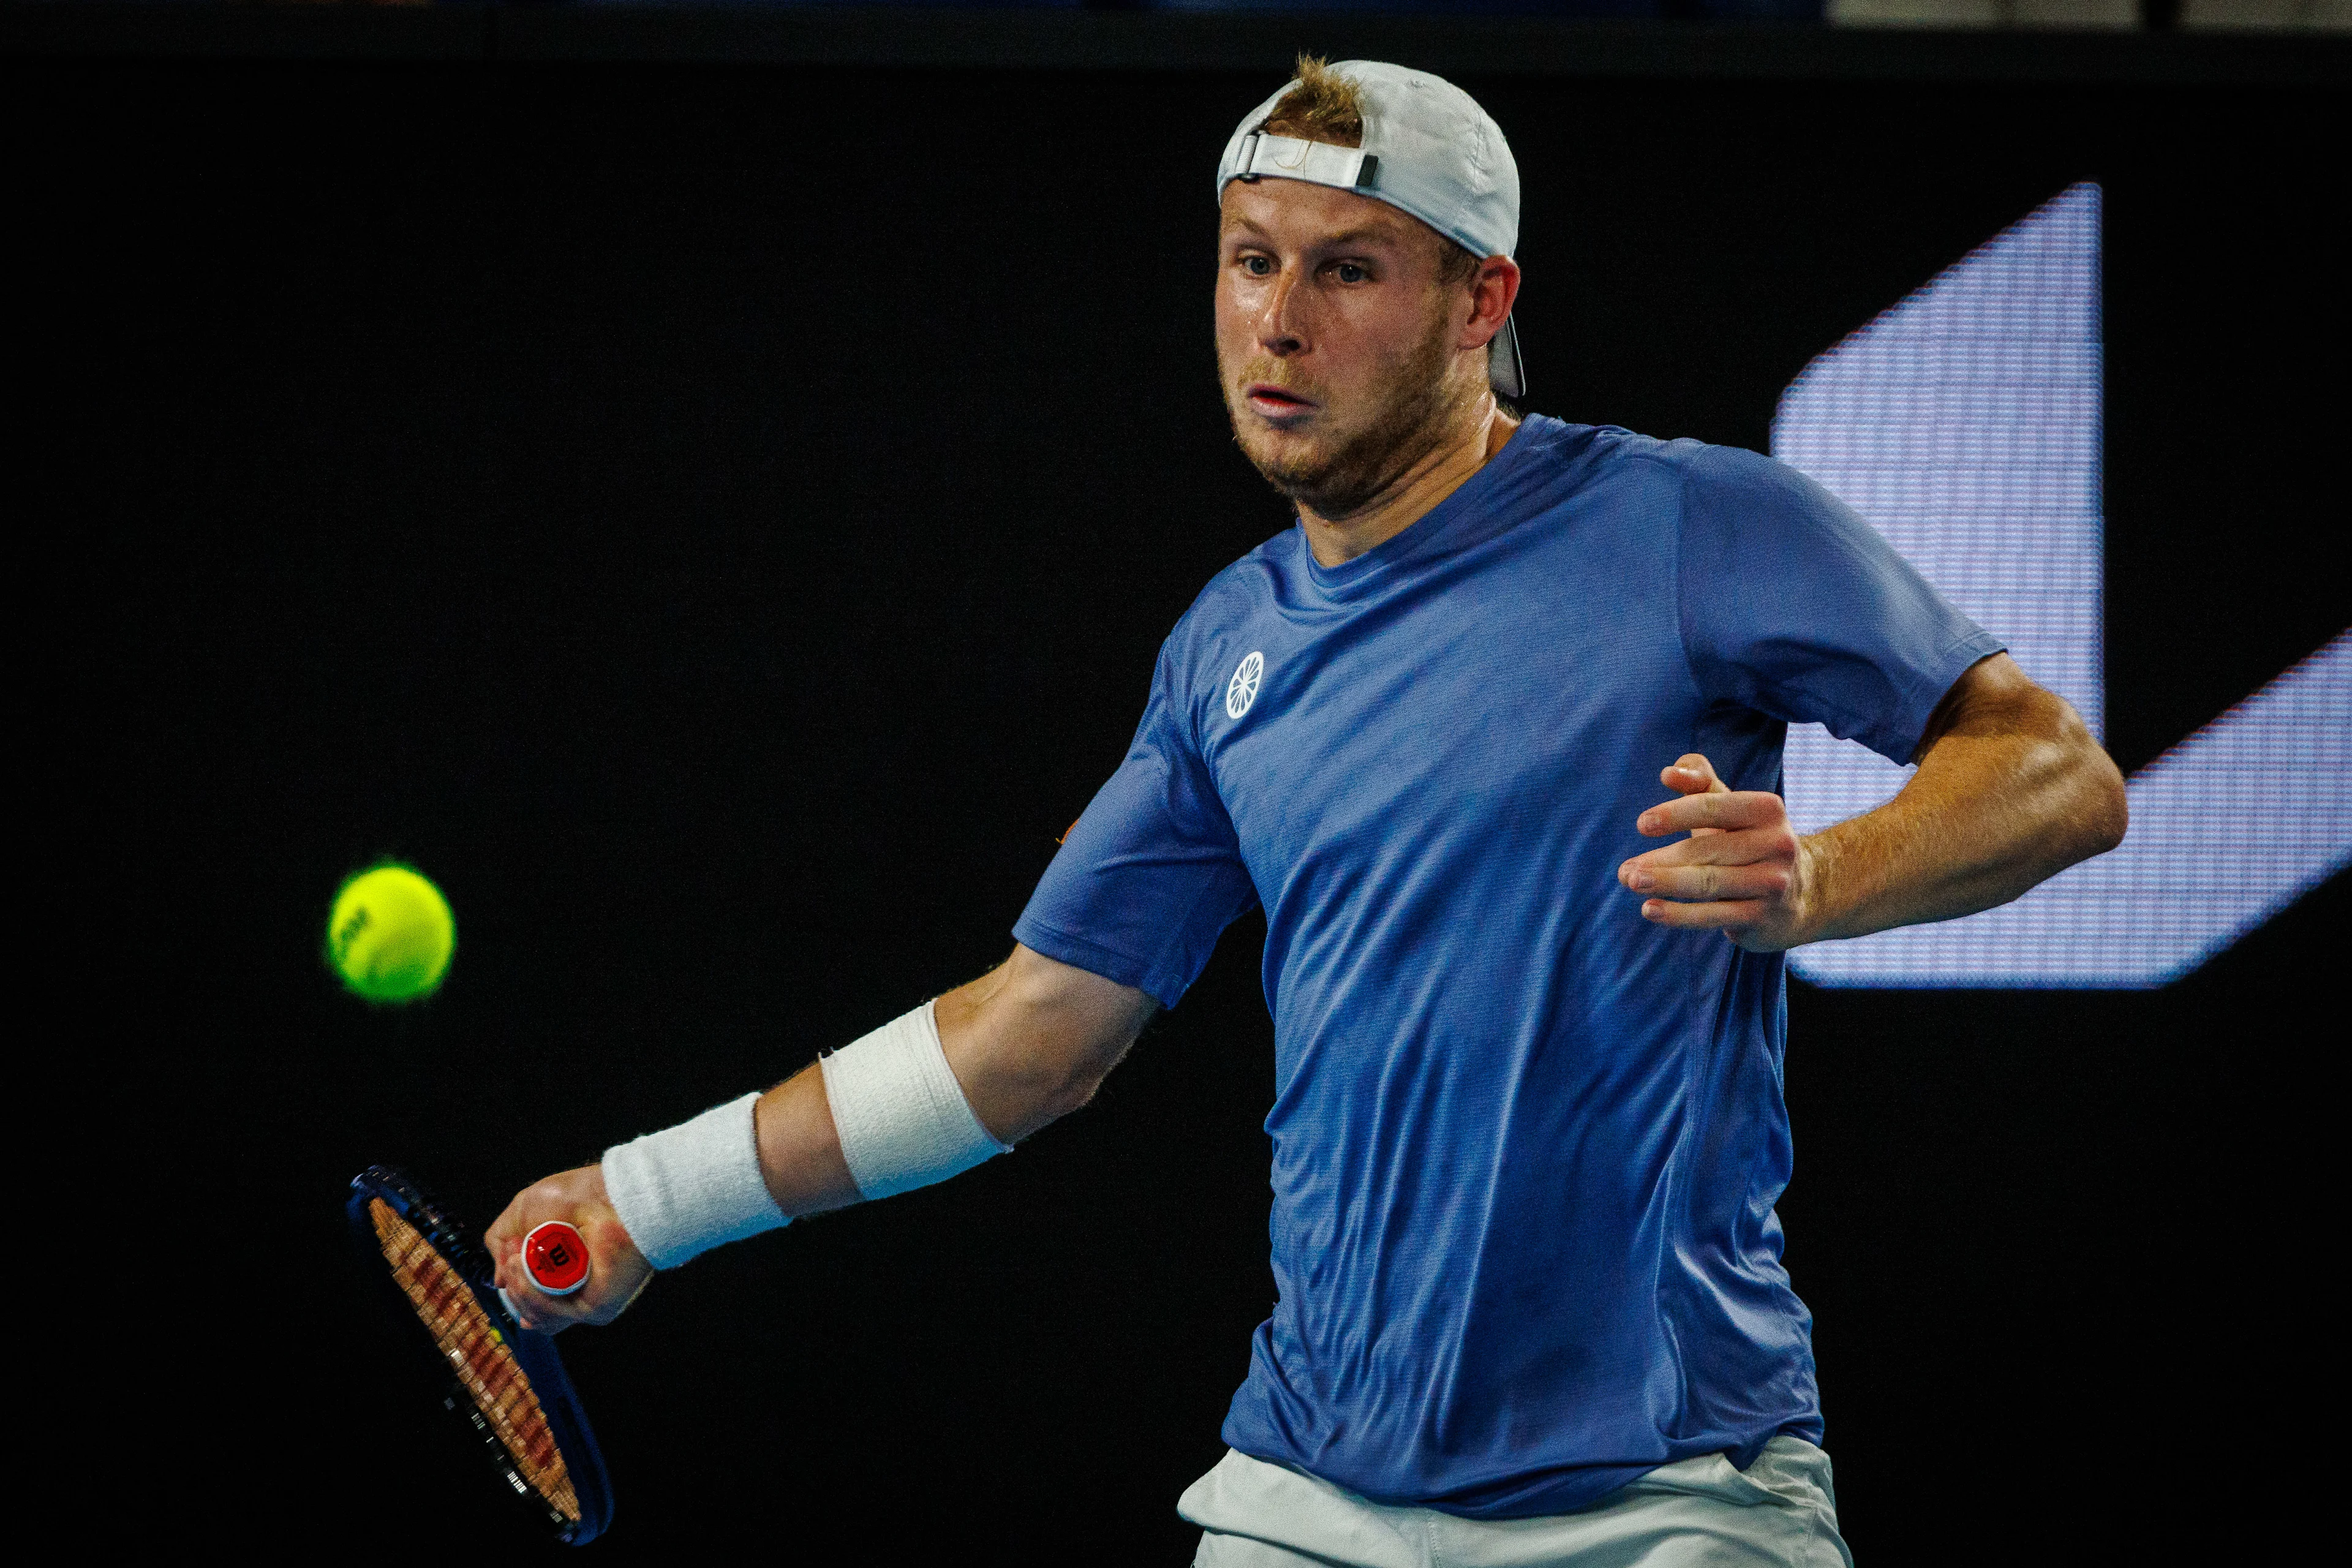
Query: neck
point(1414, 492)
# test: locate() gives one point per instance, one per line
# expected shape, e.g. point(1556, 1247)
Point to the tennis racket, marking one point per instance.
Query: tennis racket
point(508, 1385)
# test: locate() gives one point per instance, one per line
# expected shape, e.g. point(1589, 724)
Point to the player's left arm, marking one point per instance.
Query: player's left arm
point(2011, 789)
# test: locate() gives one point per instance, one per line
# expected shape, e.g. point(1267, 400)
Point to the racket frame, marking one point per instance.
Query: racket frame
point(567, 1421)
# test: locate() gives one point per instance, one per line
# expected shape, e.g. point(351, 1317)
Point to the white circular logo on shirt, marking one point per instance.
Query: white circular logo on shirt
point(1244, 689)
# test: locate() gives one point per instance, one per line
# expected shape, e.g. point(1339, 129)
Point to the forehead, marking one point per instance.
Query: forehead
point(1299, 213)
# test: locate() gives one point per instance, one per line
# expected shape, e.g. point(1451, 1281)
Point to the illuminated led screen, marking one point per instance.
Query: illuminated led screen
point(1964, 424)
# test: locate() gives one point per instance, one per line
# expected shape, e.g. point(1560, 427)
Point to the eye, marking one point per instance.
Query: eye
point(1257, 266)
point(1349, 272)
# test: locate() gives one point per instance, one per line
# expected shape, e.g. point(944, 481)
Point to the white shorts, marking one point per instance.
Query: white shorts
point(1693, 1513)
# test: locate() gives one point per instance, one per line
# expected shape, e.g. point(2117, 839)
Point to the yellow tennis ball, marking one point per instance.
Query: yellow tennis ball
point(390, 934)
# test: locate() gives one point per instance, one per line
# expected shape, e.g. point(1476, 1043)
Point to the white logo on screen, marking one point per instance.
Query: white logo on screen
point(1991, 379)
point(1243, 691)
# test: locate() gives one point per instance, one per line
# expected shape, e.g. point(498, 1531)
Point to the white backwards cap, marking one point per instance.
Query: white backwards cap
point(1429, 150)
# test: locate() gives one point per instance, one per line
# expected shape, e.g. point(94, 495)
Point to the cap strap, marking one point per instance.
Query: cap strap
point(1293, 158)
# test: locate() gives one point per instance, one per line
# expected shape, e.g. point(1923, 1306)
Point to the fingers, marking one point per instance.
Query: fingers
point(1729, 863)
point(1704, 884)
point(1774, 842)
point(539, 1312)
point(506, 1232)
point(599, 1301)
point(533, 1308)
point(1732, 914)
point(1718, 808)
point(1692, 774)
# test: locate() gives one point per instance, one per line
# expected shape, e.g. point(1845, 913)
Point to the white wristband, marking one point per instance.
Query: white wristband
point(902, 1117)
point(685, 1190)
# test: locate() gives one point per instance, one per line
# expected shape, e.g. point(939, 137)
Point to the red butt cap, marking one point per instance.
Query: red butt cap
point(555, 1257)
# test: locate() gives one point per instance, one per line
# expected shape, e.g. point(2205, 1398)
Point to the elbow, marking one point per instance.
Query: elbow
point(1016, 1098)
point(2116, 822)
point(2108, 817)
point(2097, 808)
point(1042, 1093)
point(1036, 1040)
point(1074, 1092)
point(1045, 1065)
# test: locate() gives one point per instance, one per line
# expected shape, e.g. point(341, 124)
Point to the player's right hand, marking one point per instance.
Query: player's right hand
point(616, 1270)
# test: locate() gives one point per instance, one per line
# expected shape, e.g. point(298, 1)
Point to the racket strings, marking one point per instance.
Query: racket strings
point(478, 1354)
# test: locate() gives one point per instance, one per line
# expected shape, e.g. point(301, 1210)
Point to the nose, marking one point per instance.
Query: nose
point(1278, 331)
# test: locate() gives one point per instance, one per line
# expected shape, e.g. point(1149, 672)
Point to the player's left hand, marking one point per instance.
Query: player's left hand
point(1742, 871)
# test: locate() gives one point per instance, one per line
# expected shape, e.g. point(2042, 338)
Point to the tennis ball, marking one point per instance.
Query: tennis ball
point(390, 934)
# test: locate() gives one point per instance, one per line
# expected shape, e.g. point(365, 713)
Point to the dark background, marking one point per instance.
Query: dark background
point(718, 518)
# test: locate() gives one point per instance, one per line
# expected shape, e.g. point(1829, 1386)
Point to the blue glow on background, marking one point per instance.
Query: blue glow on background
point(1964, 424)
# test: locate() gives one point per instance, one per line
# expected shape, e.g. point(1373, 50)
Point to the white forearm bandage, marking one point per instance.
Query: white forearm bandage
point(902, 1117)
point(685, 1190)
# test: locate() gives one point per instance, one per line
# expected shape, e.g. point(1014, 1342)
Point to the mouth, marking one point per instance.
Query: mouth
point(1276, 402)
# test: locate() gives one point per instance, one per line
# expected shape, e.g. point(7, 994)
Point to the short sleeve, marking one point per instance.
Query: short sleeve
point(1794, 606)
point(1152, 874)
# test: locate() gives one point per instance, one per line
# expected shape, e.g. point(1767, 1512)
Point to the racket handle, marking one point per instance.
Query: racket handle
point(555, 1257)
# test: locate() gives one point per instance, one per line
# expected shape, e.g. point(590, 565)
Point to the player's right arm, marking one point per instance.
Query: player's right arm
point(1028, 1042)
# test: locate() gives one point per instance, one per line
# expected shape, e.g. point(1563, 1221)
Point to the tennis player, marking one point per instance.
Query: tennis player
point(1528, 1123)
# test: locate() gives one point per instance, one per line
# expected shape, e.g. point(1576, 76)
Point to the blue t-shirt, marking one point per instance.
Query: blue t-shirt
point(1526, 1143)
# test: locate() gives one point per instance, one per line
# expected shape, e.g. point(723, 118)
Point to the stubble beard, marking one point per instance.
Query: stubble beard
point(1415, 409)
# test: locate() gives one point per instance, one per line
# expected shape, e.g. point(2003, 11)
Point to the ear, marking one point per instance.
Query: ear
point(1493, 292)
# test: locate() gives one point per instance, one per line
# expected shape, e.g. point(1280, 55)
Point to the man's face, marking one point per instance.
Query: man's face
point(1337, 342)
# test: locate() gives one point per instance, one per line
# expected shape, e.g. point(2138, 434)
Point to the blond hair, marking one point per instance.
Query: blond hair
point(1321, 106)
